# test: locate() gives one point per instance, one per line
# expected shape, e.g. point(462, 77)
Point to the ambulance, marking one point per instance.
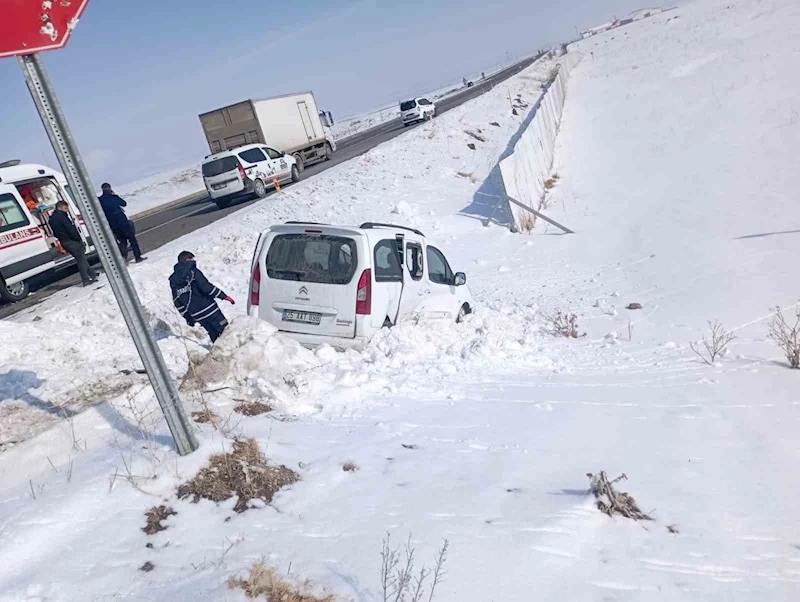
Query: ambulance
point(28, 197)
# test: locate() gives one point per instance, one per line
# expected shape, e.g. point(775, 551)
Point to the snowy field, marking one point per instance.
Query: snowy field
point(161, 188)
point(676, 159)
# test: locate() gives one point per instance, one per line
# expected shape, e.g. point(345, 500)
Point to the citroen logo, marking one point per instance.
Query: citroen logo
point(303, 291)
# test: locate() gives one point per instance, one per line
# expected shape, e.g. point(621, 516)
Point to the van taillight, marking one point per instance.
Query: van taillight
point(255, 287)
point(364, 294)
point(241, 171)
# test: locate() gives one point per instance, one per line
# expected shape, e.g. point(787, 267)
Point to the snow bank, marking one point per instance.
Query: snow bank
point(161, 188)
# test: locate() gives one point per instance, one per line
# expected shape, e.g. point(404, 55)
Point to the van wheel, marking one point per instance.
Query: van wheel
point(15, 292)
point(260, 189)
point(463, 313)
point(222, 203)
point(328, 151)
point(300, 165)
point(295, 174)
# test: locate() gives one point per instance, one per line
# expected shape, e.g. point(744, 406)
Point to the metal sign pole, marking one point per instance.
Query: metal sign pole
point(71, 163)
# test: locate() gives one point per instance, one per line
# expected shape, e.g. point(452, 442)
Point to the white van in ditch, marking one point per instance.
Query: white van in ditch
point(341, 284)
point(28, 197)
point(250, 169)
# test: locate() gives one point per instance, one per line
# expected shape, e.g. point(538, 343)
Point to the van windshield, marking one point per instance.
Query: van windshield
point(219, 166)
point(305, 258)
point(407, 105)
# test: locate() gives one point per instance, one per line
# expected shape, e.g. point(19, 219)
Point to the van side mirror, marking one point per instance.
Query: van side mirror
point(460, 279)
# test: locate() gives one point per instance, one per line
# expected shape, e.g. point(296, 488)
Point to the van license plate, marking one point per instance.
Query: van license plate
point(301, 316)
point(219, 186)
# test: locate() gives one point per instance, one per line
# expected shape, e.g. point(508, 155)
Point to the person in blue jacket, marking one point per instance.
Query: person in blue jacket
point(195, 297)
point(121, 226)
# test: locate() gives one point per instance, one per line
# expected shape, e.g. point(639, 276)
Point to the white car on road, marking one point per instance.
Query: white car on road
point(247, 170)
point(418, 109)
point(341, 284)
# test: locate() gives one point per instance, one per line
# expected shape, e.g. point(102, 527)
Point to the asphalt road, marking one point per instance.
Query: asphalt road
point(198, 211)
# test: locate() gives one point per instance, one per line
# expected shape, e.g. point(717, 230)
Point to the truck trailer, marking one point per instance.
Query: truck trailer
point(290, 123)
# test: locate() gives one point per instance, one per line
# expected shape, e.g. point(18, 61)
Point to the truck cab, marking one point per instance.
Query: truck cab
point(28, 197)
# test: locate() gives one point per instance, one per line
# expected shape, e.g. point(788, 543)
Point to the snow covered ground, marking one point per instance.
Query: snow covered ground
point(676, 171)
point(161, 188)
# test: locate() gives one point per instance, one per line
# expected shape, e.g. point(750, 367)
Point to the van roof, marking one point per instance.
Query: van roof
point(28, 171)
point(231, 151)
point(328, 228)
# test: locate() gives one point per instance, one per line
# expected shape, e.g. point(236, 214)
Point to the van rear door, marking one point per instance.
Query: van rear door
point(309, 283)
point(222, 176)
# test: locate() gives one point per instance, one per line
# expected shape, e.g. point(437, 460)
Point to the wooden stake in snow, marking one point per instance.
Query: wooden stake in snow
point(611, 501)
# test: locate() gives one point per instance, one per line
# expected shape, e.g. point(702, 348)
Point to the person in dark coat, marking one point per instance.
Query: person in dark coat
point(121, 226)
point(195, 297)
point(67, 234)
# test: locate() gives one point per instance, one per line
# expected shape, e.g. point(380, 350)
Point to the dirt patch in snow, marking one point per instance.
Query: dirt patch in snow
point(243, 472)
point(252, 408)
point(154, 517)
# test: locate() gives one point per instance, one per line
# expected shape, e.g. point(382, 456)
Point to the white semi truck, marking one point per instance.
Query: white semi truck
point(290, 123)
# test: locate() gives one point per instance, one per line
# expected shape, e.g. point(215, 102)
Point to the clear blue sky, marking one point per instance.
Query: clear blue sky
point(135, 75)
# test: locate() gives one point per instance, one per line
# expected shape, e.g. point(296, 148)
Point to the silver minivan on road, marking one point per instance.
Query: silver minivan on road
point(252, 169)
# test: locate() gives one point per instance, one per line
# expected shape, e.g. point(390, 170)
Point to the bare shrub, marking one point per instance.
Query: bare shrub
point(252, 408)
point(563, 324)
point(154, 517)
point(549, 184)
point(243, 472)
point(786, 337)
point(147, 567)
point(399, 580)
point(349, 467)
point(262, 580)
point(716, 345)
point(611, 501)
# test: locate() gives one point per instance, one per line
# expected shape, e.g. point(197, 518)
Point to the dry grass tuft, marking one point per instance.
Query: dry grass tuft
point(147, 567)
point(243, 472)
point(786, 337)
point(527, 221)
point(252, 408)
point(263, 581)
point(563, 324)
point(349, 467)
point(549, 184)
point(154, 517)
point(611, 501)
point(205, 417)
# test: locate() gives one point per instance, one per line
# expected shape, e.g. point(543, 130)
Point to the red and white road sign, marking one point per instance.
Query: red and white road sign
point(28, 26)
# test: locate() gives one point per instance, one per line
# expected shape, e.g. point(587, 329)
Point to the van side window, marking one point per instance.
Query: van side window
point(387, 265)
point(424, 101)
point(253, 155)
point(414, 261)
point(11, 214)
point(273, 154)
point(438, 269)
